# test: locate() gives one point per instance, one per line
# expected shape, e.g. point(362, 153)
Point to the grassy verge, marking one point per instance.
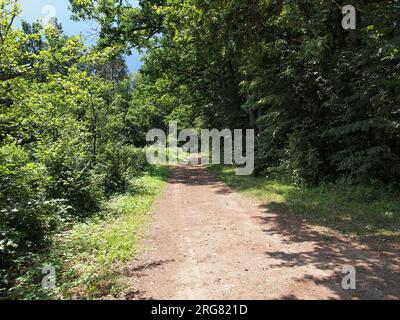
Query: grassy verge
point(361, 211)
point(91, 256)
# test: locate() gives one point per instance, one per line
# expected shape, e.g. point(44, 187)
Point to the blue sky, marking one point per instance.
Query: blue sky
point(38, 9)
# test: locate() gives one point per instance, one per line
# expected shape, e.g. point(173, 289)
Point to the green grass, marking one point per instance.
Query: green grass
point(361, 211)
point(91, 256)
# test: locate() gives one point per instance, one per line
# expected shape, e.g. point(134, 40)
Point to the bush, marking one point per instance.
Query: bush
point(304, 160)
point(119, 163)
point(37, 198)
point(72, 178)
point(27, 217)
point(289, 160)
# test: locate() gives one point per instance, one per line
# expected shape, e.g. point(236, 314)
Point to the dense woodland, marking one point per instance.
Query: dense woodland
point(325, 102)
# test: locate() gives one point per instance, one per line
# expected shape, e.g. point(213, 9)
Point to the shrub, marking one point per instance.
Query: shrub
point(119, 163)
point(27, 217)
point(72, 177)
point(304, 160)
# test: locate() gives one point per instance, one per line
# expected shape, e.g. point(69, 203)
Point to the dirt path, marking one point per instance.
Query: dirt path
point(208, 242)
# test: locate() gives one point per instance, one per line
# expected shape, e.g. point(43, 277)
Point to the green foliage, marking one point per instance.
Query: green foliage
point(64, 146)
point(303, 159)
point(28, 217)
point(279, 67)
point(323, 101)
point(120, 164)
point(72, 178)
point(90, 256)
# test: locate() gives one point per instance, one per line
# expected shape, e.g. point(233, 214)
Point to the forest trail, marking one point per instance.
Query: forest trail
point(207, 241)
